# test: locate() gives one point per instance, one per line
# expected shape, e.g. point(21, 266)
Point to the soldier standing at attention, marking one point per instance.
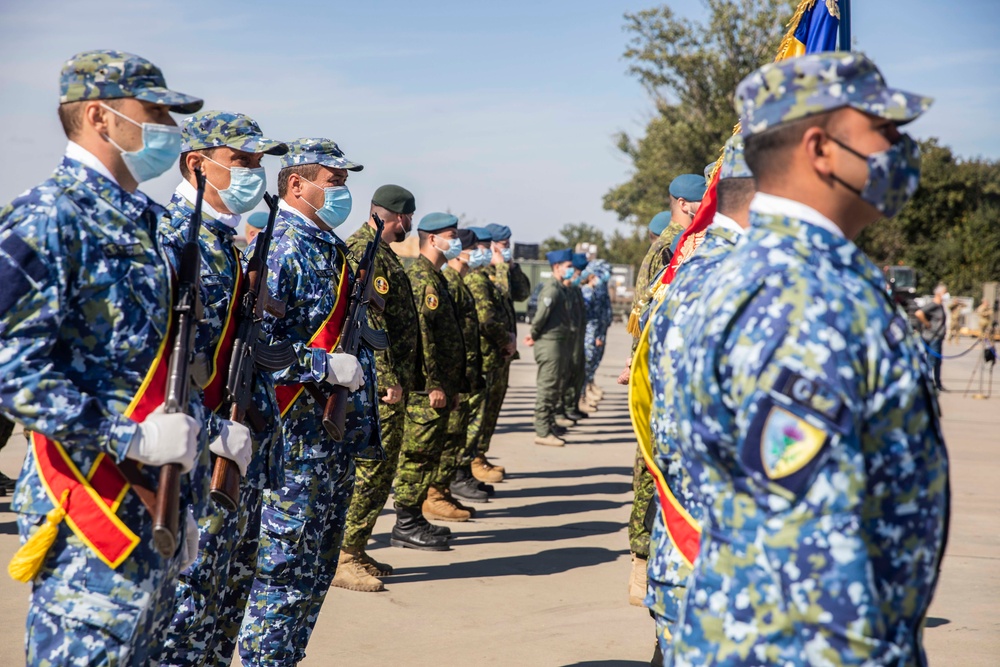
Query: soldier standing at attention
point(302, 522)
point(453, 481)
point(396, 368)
point(211, 595)
point(599, 316)
point(497, 346)
point(84, 316)
point(549, 334)
point(439, 382)
point(803, 396)
point(573, 408)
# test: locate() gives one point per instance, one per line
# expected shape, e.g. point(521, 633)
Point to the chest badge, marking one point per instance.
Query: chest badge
point(431, 301)
point(381, 285)
point(788, 443)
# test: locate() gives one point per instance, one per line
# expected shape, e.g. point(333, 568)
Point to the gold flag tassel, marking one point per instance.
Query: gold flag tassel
point(28, 560)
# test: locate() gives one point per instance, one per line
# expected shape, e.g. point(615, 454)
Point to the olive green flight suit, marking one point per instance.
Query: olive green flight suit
point(550, 330)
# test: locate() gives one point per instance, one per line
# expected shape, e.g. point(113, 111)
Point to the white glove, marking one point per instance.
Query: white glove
point(345, 370)
point(163, 439)
point(190, 553)
point(234, 444)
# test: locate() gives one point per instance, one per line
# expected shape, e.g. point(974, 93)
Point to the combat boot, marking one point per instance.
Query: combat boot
point(550, 441)
point(558, 430)
point(354, 576)
point(374, 567)
point(576, 415)
point(433, 528)
point(411, 531)
point(455, 502)
point(565, 422)
point(484, 472)
point(490, 464)
point(465, 487)
point(595, 391)
point(488, 488)
point(637, 582)
point(587, 407)
point(436, 506)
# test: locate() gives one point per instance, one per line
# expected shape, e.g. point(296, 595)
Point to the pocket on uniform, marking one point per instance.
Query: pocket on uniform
point(280, 535)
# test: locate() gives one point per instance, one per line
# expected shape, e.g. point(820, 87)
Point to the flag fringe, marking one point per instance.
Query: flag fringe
point(793, 25)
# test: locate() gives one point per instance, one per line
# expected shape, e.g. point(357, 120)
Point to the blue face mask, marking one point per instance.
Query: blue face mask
point(246, 188)
point(508, 254)
point(336, 205)
point(453, 250)
point(478, 258)
point(161, 146)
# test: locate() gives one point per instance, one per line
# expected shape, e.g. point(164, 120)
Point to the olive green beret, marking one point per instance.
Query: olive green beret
point(395, 198)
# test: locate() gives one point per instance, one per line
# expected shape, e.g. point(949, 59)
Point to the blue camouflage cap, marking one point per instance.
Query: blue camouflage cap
point(659, 222)
point(734, 165)
point(435, 222)
point(498, 232)
point(258, 220)
point(317, 151)
point(688, 186)
point(579, 260)
point(559, 256)
point(816, 83)
point(482, 234)
point(111, 75)
point(210, 129)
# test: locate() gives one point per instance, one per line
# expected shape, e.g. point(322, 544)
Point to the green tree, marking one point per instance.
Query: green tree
point(572, 234)
point(691, 70)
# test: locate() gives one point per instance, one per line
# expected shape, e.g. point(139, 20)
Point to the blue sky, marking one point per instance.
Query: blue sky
point(505, 112)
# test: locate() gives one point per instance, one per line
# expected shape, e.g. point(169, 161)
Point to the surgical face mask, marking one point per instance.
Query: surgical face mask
point(161, 146)
point(507, 254)
point(336, 204)
point(893, 175)
point(479, 257)
point(453, 250)
point(246, 187)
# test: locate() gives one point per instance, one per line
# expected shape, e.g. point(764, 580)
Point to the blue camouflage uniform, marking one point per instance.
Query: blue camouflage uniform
point(598, 303)
point(302, 522)
point(211, 594)
point(83, 311)
point(801, 393)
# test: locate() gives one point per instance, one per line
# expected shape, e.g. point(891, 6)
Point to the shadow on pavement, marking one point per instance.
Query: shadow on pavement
point(537, 533)
point(573, 474)
point(593, 488)
point(549, 508)
point(609, 663)
point(934, 622)
point(543, 563)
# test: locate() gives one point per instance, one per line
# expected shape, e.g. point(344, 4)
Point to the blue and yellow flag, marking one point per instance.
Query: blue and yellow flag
point(818, 29)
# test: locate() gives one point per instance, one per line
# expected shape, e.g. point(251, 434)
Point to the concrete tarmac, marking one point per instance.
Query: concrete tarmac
point(539, 577)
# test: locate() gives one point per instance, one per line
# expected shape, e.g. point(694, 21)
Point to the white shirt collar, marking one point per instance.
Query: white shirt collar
point(75, 151)
point(766, 204)
point(725, 222)
point(187, 191)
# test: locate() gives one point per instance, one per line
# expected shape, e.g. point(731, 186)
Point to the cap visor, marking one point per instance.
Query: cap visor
point(178, 102)
point(268, 146)
point(895, 105)
point(340, 163)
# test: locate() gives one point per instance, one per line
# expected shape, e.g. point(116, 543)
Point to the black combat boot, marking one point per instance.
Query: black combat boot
point(466, 487)
point(433, 528)
point(411, 531)
point(488, 488)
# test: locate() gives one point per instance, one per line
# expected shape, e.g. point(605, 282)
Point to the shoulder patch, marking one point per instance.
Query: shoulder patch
point(788, 443)
point(814, 395)
point(895, 332)
point(18, 262)
point(547, 300)
point(431, 301)
point(381, 285)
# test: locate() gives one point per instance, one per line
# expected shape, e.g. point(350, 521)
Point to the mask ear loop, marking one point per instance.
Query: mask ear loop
point(853, 152)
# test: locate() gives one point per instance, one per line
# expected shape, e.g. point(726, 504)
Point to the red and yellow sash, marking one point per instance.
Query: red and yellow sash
point(682, 529)
point(325, 338)
point(215, 390)
point(90, 504)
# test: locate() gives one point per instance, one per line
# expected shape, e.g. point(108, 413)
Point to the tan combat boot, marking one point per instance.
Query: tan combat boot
point(352, 575)
point(637, 582)
point(596, 391)
point(374, 567)
point(585, 407)
point(457, 504)
point(503, 471)
point(550, 441)
point(437, 506)
point(484, 472)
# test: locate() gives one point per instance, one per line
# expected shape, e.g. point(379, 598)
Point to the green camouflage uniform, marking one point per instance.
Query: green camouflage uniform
point(513, 285)
point(441, 343)
point(495, 324)
point(456, 452)
point(395, 365)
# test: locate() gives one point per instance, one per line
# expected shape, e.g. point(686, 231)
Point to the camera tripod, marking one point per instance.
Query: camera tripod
point(987, 358)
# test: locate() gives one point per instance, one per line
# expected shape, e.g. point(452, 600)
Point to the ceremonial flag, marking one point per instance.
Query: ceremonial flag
point(814, 27)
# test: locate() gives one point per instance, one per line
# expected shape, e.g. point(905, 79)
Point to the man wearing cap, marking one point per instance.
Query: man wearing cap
point(803, 397)
point(255, 224)
point(572, 407)
point(302, 522)
point(439, 382)
point(550, 331)
point(670, 556)
point(497, 346)
point(453, 481)
point(599, 317)
point(211, 594)
point(395, 367)
point(84, 316)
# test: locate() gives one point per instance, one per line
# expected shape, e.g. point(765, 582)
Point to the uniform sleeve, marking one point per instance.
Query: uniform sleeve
point(284, 283)
point(32, 305)
point(429, 306)
point(520, 286)
point(384, 362)
point(544, 310)
point(492, 329)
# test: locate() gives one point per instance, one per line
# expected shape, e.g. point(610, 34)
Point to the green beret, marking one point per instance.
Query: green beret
point(395, 198)
point(436, 222)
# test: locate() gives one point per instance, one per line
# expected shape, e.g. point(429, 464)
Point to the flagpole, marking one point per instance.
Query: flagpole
point(845, 24)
